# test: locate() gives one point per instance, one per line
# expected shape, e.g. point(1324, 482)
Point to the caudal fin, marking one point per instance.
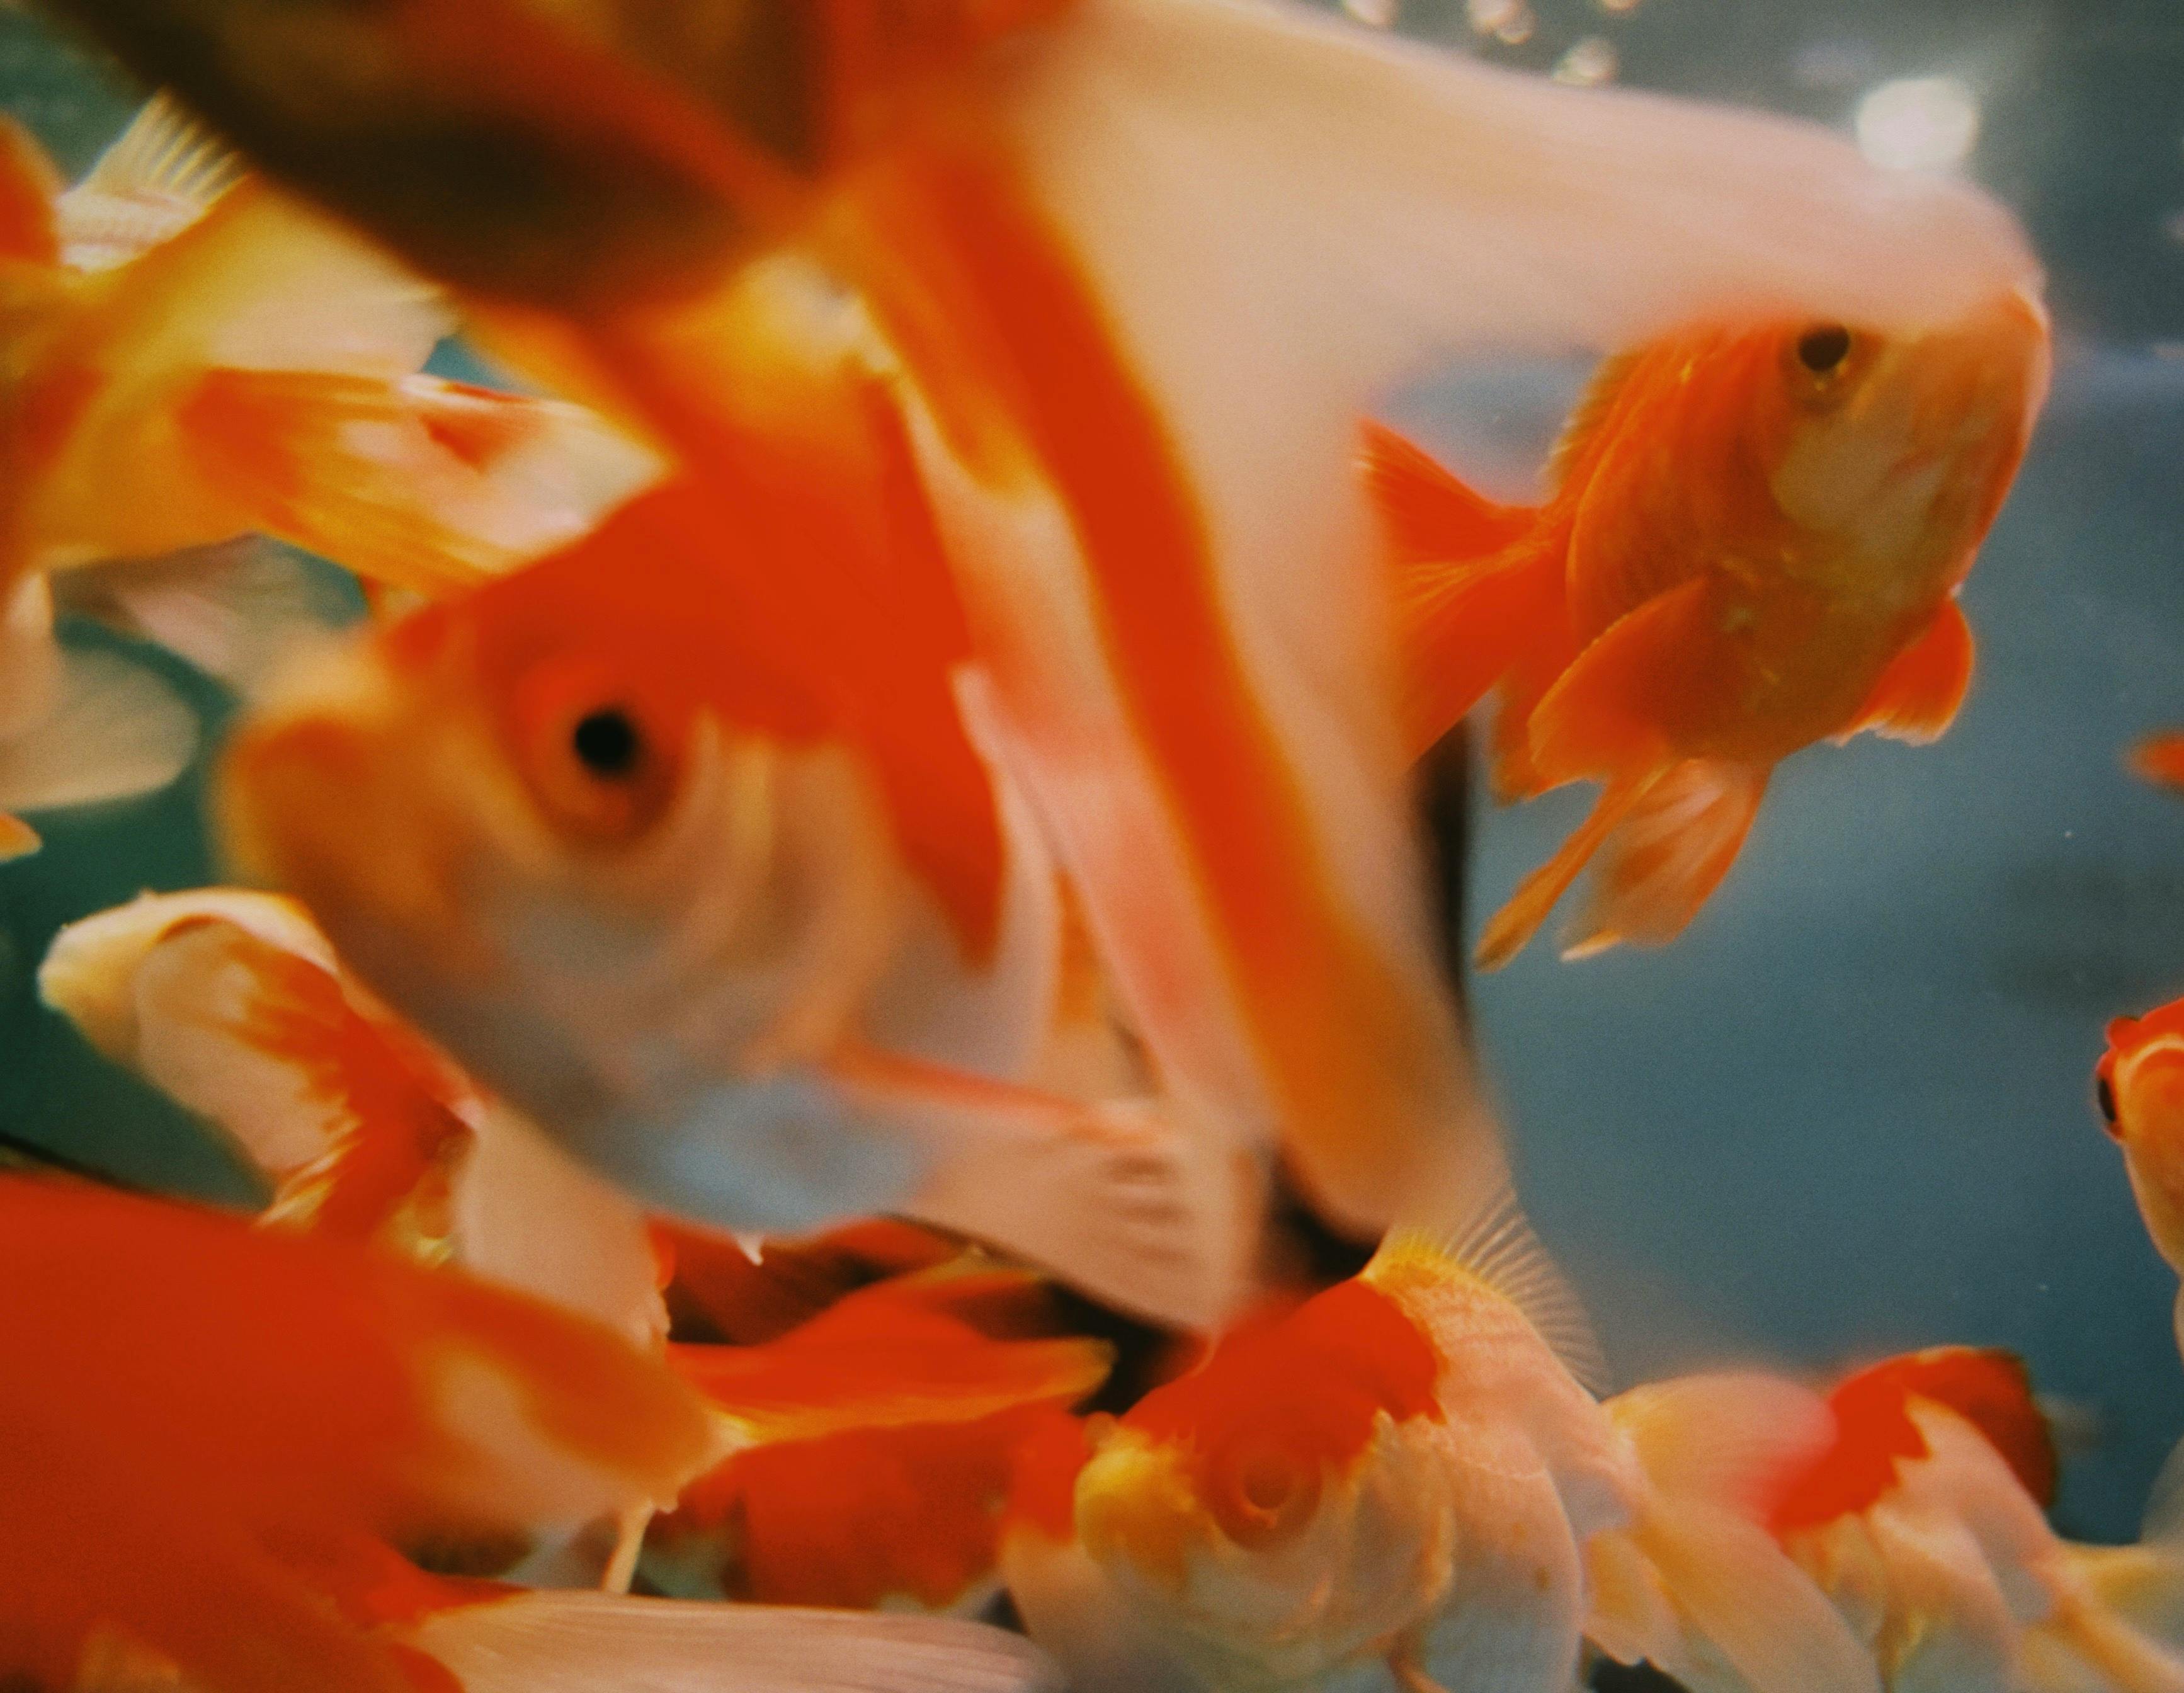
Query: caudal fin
point(1695, 1578)
point(1469, 596)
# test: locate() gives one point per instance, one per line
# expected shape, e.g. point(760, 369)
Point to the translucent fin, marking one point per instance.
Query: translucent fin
point(1508, 929)
point(235, 611)
point(1713, 1449)
point(589, 1642)
point(415, 483)
point(2143, 1585)
point(1155, 1217)
point(2163, 1522)
point(115, 730)
point(1496, 1244)
point(161, 176)
point(1657, 869)
point(1918, 695)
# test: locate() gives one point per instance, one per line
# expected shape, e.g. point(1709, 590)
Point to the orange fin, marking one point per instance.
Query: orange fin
point(1600, 718)
point(1469, 598)
point(415, 483)
point(1426, 512)
point(1668, 855)
point(2160, 758)
point(1509, 928)
point(1919, 693)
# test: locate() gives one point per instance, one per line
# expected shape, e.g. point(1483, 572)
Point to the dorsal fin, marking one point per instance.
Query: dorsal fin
point(161, 175)
point(1496, 1246)
point(1427, 512)
point(1601, 391)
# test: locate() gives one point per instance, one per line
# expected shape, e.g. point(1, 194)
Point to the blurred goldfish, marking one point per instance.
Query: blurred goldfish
point(233, 1004)
point(2139, 1086)
point(909, 1405)
point(237, 362)
point(2160, 758)
point(1755, 541)
point(1401, 1470)
point(1144, 308)
point(1923, 1521)
point(760, 925)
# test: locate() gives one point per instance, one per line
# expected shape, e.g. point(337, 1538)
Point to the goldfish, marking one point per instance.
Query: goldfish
point(1405, 1470)
point(218, 1437)
point(2135, 1086)
point(240, 363)
point(1754, 542)
point(1922, 1520)
point(933, 1379)
point(1143, 313)
point(234, 1004)
point(2160, 758)
point(765, 928)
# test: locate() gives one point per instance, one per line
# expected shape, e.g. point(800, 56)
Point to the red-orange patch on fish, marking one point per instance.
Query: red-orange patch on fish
point(1285, 1399)
point(1042, 1475)
point(1874, 1434)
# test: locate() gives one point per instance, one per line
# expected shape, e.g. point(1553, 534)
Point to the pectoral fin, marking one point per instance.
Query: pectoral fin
point(1918, 695)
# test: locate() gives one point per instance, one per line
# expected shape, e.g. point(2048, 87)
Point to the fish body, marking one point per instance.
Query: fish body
point(2139, 1087)
point(1923, 1521)
point(692, 840)
point(1755, 541)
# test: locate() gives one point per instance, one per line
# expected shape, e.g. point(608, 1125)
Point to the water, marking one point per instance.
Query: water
point(1848, 1113)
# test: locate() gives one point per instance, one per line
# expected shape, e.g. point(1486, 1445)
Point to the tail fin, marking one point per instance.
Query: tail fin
point(1695, 1578)
point(548, 1642)
point(1667, 856)
point(1470, 595)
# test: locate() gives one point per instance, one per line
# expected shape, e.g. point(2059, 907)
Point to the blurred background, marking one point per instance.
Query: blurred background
point(1849, 1112)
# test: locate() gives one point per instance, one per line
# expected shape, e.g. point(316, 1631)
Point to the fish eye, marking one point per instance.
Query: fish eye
point(607, 743)
point(1822, 348)
point(2105, 1097)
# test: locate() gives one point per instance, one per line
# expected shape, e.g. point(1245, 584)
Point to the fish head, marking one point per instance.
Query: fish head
point(2138, 1085)
point(550, 822)
point(1903, 441)
point(1286, 1504)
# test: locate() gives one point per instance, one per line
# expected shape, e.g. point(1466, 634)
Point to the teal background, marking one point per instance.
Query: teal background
point(1848, 1113)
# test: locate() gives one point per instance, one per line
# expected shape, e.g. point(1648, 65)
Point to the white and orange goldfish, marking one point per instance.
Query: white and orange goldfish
point(2139, 1087)
point(1754, 543)
point(1141, 311)
point(712, 867)
point(233, 1004)
point(1922, 1520)
point(193, 356)
point(1402, 1471)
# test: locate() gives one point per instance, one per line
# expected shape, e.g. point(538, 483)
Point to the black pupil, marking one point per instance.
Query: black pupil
point(1820, 350)
point(2104, 1095)
point(607, 742)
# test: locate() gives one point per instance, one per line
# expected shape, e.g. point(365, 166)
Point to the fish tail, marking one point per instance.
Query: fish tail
point(2124, 1656)
point(1470, 595)
point(1662, 860)
point(1695, 1574)
point(1515, 923)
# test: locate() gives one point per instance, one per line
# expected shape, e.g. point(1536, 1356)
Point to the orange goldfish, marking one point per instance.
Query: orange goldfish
point(1143, 310)
point(1922, 1520)
point(1401, 1470)
point(236, 362)
point(233, 1003)
point(1755, 541)
point(761, 925)
point(2139, 1086)
point(2160, 758)
point(898, 1495)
